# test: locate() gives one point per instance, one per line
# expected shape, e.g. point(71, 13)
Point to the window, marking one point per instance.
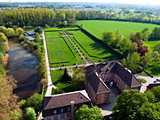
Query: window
point(62, 110)
point(54, 111)
point(68, 109)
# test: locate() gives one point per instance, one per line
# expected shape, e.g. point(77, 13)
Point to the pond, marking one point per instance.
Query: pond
point(23, 67)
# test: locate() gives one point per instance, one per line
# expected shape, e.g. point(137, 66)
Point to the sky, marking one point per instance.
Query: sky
point(142, 2)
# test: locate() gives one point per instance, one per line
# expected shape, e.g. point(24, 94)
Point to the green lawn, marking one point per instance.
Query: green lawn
point(59, 52)
point(93, 49)
point(62, 86)
point(151, 44)
point(98, 27)
point(56, 75)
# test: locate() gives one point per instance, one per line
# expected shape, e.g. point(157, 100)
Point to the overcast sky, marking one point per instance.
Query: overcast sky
point(146, 2)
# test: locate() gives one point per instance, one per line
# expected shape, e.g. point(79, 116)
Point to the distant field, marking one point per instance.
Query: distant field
point(98, 27)
point(59, 52)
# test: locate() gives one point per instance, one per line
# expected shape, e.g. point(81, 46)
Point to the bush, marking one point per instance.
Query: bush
point(19, 31)
point(35, 101)
point(86, 113)
point(30, 114)
point(38, 30)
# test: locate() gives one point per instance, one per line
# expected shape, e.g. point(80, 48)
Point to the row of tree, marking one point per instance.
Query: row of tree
point(36, 17)
point(9, 106)
point(52, 17)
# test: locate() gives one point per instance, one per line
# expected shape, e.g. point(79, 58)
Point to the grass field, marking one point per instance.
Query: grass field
point(151, 44)
point(98, 27)
point(62, 86)
point(59, 51)
point(95, 51)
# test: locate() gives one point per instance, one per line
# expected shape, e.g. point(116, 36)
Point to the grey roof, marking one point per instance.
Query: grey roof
point(125, 75)
point(62, 100)
point(92, 78)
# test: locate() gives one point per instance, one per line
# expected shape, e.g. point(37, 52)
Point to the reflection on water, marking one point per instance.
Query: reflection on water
point(22, 66)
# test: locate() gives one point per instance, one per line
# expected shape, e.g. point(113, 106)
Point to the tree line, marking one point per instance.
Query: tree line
point(9, 106)
point(61, 17)
point(36, 17)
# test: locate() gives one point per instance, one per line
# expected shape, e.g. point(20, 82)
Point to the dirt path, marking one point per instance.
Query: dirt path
point(50, 85)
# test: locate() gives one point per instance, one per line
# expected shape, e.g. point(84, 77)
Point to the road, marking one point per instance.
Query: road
point(149, 80)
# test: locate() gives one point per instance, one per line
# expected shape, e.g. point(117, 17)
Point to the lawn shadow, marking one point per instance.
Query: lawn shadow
point(104, 50)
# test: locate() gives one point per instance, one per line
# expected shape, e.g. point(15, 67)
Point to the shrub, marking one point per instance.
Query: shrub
point(35, 101)
point(30, 114)
point(86, 113)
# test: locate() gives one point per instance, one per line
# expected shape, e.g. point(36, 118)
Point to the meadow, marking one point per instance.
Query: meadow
point(95, 51)
point(98, 27)
point(59, 52)
point(62, 85)
point(151, 44)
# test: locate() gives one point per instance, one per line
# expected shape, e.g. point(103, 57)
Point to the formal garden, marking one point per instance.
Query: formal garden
point(94, 41)
point(70, 47)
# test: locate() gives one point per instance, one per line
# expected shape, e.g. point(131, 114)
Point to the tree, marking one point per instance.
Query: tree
point(30, 114)
point(156, 93)
point(3, 37)
point(136, 37)
point(38, 30)
point(86, 113)
point(110, 38)
point(127, 105)
point(155, 35)
point(145, 34)
point(133, 62)
point(10, 32)
point(78, 76)
point(119, 42)
point(150, 96)
point(66, 77)
point(35, 101)
point(70, 17)
point(37, 38)
point(3, 29)
point(60, 17)
point(149, 111)
point(125, 46)
point(3, 43)
point(19, 31)
point(9, 107)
